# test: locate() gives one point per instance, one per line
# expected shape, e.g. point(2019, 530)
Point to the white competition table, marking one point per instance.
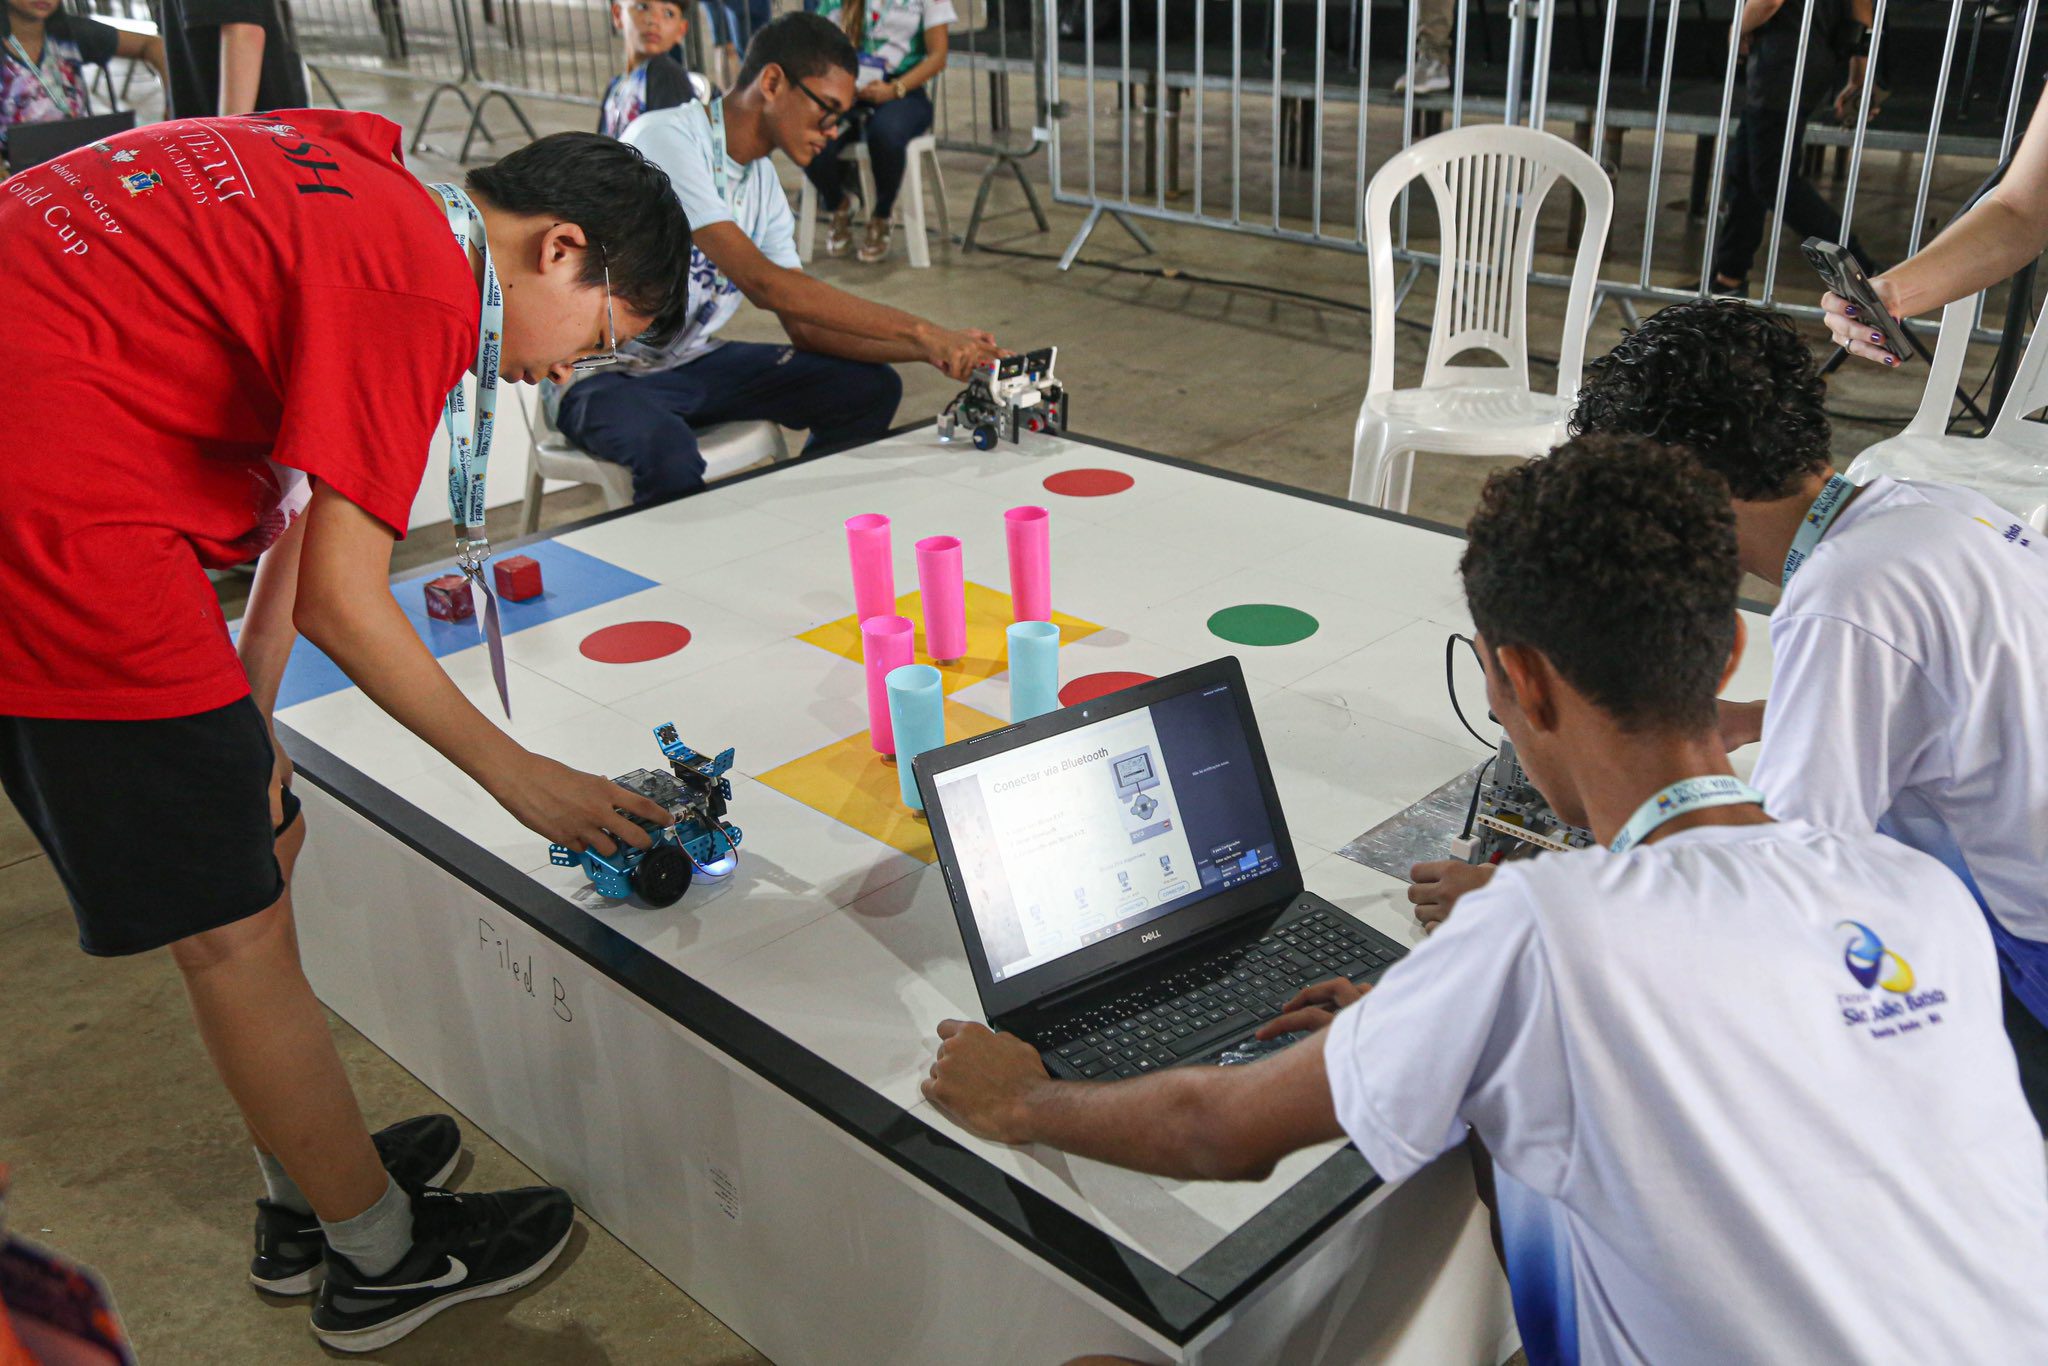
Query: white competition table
point(730, 1085)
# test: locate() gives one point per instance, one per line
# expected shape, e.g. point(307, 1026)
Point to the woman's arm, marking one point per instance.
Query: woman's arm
point(144, 47)
point(2002, 232)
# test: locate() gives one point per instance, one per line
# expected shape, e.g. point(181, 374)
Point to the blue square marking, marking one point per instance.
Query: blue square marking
point(574, 582)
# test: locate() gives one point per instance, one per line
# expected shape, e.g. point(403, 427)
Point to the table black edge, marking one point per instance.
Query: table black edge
point(1178, 1306)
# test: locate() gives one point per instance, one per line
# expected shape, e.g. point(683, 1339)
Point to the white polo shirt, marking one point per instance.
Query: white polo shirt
point(1910, 690)
point(1748, 1095)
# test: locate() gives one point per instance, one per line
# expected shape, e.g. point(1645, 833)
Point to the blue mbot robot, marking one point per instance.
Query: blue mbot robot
point(695, 793)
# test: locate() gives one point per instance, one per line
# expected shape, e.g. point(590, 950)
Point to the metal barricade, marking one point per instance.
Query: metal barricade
point(996, 42)
point(560, 50)
point(424, 41)
point(1140, 87)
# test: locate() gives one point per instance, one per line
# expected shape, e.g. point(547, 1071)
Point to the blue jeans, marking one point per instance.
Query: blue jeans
point(888, 129)
point(648, 422)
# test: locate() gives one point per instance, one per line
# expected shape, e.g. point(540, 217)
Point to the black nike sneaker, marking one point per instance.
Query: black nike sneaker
point(465, 1247)
point(417, 1152)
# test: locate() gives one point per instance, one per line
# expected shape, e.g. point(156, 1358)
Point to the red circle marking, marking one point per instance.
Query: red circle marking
point(1088, 687)
point(1088, 483)
point(635, 642)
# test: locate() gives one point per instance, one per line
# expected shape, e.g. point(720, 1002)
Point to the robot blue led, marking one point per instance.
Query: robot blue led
point(1006, 397)
point(694, 793)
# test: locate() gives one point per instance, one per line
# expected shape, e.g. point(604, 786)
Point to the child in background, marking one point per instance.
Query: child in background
point(653, 31)
point(57, 47)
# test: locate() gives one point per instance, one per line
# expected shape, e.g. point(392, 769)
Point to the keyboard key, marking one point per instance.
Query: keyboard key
point(1092, 1070)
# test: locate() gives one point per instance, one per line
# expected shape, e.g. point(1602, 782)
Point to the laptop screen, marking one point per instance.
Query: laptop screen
point(1100, 829)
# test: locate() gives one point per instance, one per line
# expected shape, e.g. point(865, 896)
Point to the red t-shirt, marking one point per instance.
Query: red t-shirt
point(195, 311)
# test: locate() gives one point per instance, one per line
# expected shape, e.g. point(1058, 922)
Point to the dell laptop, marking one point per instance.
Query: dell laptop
point(1124, 881)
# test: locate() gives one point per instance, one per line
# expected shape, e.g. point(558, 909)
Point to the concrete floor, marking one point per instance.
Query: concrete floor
point(125, 1151)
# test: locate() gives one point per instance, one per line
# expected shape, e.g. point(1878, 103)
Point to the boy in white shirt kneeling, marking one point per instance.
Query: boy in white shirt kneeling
point(1744, 1081)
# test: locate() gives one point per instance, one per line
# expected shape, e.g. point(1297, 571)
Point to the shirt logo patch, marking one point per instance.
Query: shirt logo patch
point(1871, 963)
point(141, 182)
point(1891, 1002)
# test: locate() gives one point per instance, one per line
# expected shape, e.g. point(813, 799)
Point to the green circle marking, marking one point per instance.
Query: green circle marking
point(1262, 623)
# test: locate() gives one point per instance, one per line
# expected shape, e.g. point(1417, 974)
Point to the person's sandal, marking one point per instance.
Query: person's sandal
point(839, 232)
point(876, 248)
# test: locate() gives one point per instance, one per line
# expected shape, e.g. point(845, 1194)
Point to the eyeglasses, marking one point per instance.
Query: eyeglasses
point(833, 113)
point(584, 365)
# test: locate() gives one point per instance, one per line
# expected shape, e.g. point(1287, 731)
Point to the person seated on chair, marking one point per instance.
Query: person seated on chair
point(654, 79)
point(835, 380)
point(1910, 650)
point(902, 46)
point(50, 84)
point(1806, 1144)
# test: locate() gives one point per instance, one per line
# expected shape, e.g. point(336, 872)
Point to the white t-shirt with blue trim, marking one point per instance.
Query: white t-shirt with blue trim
point(1909, 694)
point(681, 143)
point(1748, 1094)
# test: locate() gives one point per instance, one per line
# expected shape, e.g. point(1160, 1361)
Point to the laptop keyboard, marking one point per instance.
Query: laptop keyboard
point(1211, 1003)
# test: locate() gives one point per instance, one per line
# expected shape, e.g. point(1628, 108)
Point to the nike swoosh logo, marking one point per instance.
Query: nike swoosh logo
point(452, 1276)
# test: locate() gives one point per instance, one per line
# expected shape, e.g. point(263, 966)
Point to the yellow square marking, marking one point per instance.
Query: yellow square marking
point(852, 784)
point(988, 616)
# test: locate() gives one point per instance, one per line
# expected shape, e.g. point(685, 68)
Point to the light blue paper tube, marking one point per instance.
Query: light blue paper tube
point(1034, 669)
point(917, 713)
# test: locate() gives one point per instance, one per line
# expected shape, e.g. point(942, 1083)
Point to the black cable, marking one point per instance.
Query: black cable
point(1451, 683)
point(1478, 786)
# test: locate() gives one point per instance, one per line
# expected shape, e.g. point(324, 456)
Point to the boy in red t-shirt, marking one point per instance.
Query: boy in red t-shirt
point(244, 331)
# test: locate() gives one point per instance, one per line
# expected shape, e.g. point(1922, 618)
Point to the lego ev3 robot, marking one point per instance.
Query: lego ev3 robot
point(1008, 396)
point(695, 792)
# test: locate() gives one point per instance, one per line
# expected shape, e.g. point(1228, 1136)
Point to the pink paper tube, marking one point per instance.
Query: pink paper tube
point(885, 644)
point(943, 586)
point(1028, 530)
point(874, 571)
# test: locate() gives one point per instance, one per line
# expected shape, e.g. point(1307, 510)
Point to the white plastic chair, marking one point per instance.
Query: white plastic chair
point(1490, 182)
point(2009, 465)
point(727, 449)
point(910, 202)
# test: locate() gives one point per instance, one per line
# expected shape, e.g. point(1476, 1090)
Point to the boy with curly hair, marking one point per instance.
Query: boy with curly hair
point(1910, 643)
point(1694, 1100)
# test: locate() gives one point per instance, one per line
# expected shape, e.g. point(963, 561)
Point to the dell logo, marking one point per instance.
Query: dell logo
point(1149, 936)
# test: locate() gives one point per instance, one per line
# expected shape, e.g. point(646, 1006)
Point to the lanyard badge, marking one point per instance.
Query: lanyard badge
point(1689, 794)
point(469, 451)
point(1834, 495)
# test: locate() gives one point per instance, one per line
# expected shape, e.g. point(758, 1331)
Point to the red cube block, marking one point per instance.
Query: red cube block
point(448, 599)
point(518, 578)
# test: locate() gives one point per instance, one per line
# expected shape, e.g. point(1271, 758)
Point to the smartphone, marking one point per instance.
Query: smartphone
point(1844, 275)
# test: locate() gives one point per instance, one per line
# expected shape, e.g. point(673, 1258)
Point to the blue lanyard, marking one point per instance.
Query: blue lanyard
point(734, 203)
point(1833, 497)
point(1685, 795)
point(469, 452)
point(63, 102)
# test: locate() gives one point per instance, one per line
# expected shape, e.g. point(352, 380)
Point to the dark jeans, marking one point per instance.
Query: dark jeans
point(2030, 1045)
point(1753, 157)
point(888, 129)
point(647, 422)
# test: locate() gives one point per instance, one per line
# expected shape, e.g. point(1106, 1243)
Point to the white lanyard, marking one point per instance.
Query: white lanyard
point(1688, 794)
point(469, 452)
point(66, 106)
point(1833, 497)
point(734, 201)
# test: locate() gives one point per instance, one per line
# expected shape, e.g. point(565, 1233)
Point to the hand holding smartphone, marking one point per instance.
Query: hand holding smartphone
point(1844, 275)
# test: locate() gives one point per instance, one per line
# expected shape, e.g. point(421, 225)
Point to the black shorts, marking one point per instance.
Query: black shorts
point(159, 830)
